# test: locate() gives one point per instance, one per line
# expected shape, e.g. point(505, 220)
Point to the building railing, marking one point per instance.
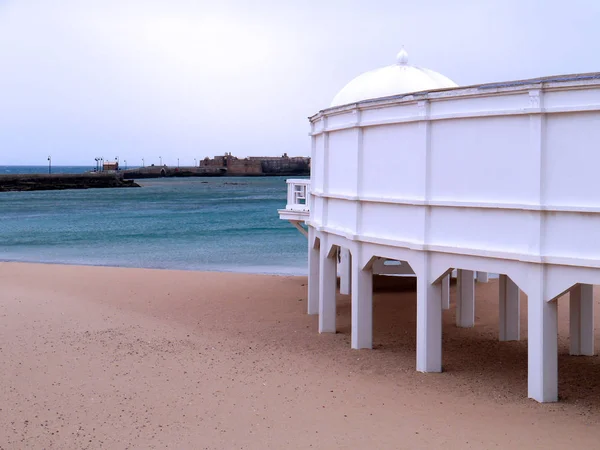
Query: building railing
point(298, 195)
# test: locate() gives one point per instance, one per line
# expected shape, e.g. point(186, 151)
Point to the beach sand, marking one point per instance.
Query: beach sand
point(94, 357)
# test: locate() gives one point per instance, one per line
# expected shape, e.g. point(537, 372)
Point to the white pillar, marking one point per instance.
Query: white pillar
point(446, 292)
point(362, 306)
point(327, 285)
point(313, 274)
point(509, 309)
point(429, 323)
point(581, 325)
point(290, 196)
point(345, 271)
point(465, 299)
point(542, 344)
point(482, 277)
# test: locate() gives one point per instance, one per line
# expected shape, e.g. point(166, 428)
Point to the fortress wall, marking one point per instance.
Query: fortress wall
point(243, 167)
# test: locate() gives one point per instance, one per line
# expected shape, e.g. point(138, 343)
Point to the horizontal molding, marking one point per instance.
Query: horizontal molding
point(289, 214)
point(463, 92)
point(462, 251)
point(456, 204)
point(457, 115)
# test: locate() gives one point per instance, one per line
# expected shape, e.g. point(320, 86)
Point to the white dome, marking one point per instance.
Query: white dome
point(399, 78)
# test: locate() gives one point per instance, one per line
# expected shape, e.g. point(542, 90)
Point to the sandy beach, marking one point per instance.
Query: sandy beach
point(95, 357)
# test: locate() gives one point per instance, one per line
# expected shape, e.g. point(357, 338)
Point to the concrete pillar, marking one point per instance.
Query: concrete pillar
point(362, 306)
point(581, 325)
point(446, 292)
point(327, 287)
point(313, 274)
point(429, 323)
point(509, 309)
point(542, 344)
point(482, 277)
point(345, 271)
point(465, 299)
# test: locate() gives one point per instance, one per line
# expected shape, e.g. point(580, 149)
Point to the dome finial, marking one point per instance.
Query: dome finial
point(402, 57)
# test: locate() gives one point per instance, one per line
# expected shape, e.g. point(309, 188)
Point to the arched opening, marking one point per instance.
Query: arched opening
point(367, 318)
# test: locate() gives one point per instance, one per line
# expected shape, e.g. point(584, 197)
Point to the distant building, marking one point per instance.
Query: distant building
point(110, 165)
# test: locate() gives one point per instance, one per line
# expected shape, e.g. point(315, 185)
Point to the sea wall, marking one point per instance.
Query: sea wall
point(40, 182)
point(166, 171)
point(244, 167)
point(286, 166)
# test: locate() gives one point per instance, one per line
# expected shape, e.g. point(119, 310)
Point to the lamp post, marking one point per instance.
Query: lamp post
point(195, 162)
point(143, 163)
point(117, 160)
point(160, 159)
point(125, 162)
point(102, 164)
point(49, 164)
point(178, 163)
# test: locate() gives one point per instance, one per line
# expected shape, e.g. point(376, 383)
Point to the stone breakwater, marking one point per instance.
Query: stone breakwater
point(166, 171)
point(37, 182)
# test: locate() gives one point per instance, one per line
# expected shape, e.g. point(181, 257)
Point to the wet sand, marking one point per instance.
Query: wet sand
point(94, 357)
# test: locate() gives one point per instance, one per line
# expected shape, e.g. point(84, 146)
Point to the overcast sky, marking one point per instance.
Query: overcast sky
point(189, 79)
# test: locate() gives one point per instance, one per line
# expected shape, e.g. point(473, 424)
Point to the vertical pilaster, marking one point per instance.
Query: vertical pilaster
point(327, 285)
point(359, 173)
point(313, 158)
point(537, 133)
point(581, 324)
point(313, 273)
point(465, 299)
point(424, 149)
point(362, 305)
point(325, 172)
point(509, 309)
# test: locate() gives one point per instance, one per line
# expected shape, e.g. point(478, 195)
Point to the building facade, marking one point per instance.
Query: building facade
point(496, 178)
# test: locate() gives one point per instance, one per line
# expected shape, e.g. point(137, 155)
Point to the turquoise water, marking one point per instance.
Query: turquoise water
point(216, 224)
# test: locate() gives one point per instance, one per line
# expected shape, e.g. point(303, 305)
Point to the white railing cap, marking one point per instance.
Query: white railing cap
point(297, 181)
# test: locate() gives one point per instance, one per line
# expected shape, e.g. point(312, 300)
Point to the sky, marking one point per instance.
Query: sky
point(134, 79)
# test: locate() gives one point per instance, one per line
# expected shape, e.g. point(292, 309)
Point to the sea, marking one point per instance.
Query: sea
point(225, 224)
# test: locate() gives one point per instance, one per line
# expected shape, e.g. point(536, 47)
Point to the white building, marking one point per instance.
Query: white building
point(497, 178)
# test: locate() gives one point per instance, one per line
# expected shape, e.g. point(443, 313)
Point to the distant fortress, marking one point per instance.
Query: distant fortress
point(229, 165)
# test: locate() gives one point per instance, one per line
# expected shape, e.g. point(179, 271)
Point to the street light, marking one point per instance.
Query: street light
point(125, 162)
point(49, 164)
point(143, 163)
point(195, 162)
point(160, 159)
point(178, 163)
